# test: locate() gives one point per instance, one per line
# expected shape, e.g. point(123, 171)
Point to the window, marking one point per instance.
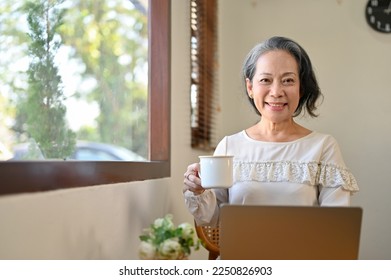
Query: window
point(31, 176)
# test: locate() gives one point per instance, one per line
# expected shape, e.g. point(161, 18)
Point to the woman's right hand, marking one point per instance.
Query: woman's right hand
point(192, 181)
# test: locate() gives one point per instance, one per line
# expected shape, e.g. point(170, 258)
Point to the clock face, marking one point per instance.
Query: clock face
point(378, 15)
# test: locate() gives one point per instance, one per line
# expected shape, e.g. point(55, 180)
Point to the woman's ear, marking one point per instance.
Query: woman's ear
point(249, 87)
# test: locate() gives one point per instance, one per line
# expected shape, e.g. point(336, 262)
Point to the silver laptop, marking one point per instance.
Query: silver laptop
point(289, 232)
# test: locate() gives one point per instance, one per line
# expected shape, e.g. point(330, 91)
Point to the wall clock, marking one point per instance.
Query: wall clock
point(378, 15)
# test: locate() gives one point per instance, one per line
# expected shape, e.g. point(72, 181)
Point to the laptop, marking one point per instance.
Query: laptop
point(289, 232)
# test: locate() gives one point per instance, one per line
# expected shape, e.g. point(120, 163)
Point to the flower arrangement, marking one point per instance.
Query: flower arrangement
point(162, 240)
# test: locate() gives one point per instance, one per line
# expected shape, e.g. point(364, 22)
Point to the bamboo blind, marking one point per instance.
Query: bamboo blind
point(203, 61)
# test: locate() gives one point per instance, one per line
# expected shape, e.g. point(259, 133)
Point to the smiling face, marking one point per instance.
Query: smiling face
point(275, 87)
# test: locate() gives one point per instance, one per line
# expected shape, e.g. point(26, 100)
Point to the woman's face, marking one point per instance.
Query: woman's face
point(275, 87)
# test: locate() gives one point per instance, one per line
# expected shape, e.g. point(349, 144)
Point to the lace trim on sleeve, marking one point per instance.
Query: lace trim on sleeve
point(335, 176)
point(310, 173)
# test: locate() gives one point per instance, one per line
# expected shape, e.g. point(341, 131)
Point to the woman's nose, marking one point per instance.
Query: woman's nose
point(276, 90)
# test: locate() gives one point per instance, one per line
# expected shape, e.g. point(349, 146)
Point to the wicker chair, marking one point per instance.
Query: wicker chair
point(209, 237)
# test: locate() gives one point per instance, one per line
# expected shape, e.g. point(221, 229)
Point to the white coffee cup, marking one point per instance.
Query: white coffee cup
point(216, 171)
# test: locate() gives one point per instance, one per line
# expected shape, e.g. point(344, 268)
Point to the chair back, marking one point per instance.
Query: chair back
point(209, 237)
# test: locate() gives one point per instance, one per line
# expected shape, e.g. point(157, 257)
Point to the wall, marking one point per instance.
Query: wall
point(103, 222)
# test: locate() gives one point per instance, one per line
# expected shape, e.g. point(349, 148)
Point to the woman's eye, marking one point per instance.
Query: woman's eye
point(264, 81)
point(288, 81)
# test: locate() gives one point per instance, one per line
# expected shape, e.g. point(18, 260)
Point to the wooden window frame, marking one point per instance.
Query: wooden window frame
point(36, 176)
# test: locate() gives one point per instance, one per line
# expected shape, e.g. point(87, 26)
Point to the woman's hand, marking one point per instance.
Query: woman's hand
point(192, 181)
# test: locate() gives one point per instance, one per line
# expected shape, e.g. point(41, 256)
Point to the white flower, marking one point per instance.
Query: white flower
point(170, 249)
point(164, 222)
point(146, 251)
point(158, 222)
point(187, 230)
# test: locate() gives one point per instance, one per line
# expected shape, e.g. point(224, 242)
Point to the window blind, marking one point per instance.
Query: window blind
point(203, 67)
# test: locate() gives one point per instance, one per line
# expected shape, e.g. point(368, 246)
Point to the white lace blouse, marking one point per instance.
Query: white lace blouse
point(309, 171)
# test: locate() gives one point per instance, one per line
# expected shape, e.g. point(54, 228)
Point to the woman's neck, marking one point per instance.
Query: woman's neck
point(268, 131)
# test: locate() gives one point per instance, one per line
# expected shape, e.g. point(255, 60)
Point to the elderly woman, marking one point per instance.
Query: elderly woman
point(276, 161)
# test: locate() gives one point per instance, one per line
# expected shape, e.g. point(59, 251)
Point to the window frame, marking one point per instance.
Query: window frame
point(37, 176)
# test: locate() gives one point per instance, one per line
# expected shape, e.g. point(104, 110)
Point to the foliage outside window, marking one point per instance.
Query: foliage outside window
point(42, 107)
point(27, 176)
point(84, 57)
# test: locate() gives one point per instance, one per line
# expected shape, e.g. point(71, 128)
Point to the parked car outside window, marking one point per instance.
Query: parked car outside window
point(85, 150)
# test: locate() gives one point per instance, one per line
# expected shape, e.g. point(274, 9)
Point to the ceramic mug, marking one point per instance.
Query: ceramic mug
point(216, 171)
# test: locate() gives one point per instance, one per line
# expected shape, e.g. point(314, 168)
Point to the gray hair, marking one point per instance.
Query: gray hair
point(309, 88)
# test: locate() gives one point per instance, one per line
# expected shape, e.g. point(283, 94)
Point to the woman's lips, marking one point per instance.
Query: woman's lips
point(276, 106)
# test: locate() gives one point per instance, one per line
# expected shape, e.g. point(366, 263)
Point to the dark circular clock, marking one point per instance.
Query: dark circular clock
point(378, 15)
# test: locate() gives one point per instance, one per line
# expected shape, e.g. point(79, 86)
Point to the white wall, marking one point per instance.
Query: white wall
point(103, 222)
